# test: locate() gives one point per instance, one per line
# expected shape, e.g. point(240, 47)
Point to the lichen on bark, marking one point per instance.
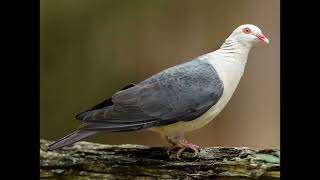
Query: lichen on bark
point(85, 160)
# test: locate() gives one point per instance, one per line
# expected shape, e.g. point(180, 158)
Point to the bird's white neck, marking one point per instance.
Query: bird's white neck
point(230, 61)
point(234, 51)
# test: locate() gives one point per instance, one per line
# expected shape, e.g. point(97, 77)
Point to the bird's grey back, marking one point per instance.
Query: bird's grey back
point(180, 93)
point(195, 82)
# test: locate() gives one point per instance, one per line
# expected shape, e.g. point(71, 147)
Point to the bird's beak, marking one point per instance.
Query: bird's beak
point(263, 38)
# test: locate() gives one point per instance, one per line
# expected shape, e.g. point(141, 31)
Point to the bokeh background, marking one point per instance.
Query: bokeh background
point(90, 49)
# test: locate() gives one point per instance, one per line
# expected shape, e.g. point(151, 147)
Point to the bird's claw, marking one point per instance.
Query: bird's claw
point(172, 148)
point(183, 145)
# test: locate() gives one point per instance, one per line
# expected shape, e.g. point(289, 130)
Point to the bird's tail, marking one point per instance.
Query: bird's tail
point(70, 139)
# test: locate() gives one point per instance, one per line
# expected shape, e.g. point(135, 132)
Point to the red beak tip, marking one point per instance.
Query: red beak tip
point(263, 38)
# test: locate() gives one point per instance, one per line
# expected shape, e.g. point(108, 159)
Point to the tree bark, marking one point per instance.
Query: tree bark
point(85, 160)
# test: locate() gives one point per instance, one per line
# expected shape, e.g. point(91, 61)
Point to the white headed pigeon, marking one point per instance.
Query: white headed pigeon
point(174, 101)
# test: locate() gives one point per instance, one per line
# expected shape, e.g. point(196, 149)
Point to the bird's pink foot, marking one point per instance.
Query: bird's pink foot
point(183, 145)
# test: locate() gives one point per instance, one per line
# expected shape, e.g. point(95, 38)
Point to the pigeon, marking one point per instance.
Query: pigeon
point(176, 100)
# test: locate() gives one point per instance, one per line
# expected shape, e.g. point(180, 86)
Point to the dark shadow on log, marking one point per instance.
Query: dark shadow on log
point(86, 160)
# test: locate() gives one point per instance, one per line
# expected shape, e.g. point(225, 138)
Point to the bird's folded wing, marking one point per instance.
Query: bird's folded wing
point(181, 93)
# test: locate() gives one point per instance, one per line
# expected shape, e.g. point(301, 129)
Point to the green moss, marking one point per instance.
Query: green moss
point(268, 158)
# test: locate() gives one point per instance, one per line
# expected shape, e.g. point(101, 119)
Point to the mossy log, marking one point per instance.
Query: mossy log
point(85, 160)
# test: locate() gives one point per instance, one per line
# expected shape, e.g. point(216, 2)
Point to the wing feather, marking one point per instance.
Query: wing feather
point(181, 93)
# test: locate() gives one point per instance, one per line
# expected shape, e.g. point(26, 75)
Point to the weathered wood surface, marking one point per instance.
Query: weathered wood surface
point(86, 160)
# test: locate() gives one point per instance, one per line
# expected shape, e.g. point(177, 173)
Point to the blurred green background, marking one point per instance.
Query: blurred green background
point(91, 48)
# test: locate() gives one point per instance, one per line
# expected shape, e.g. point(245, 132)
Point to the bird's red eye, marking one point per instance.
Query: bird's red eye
point(247, 30)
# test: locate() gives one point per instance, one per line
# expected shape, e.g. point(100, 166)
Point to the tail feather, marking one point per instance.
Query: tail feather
point(70, 139)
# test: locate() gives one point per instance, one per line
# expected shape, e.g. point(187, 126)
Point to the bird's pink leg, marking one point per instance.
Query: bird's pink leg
point(180, 152)
point(172, 148)
point(183, 144)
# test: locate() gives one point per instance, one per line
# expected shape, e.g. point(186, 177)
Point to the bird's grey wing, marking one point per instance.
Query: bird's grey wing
point(104, 103)
point(180, 93)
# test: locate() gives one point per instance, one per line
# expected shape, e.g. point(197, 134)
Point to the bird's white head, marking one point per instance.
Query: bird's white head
point(248, 35)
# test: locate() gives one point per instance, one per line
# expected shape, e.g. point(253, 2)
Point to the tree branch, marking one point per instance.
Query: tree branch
point(85, 160)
